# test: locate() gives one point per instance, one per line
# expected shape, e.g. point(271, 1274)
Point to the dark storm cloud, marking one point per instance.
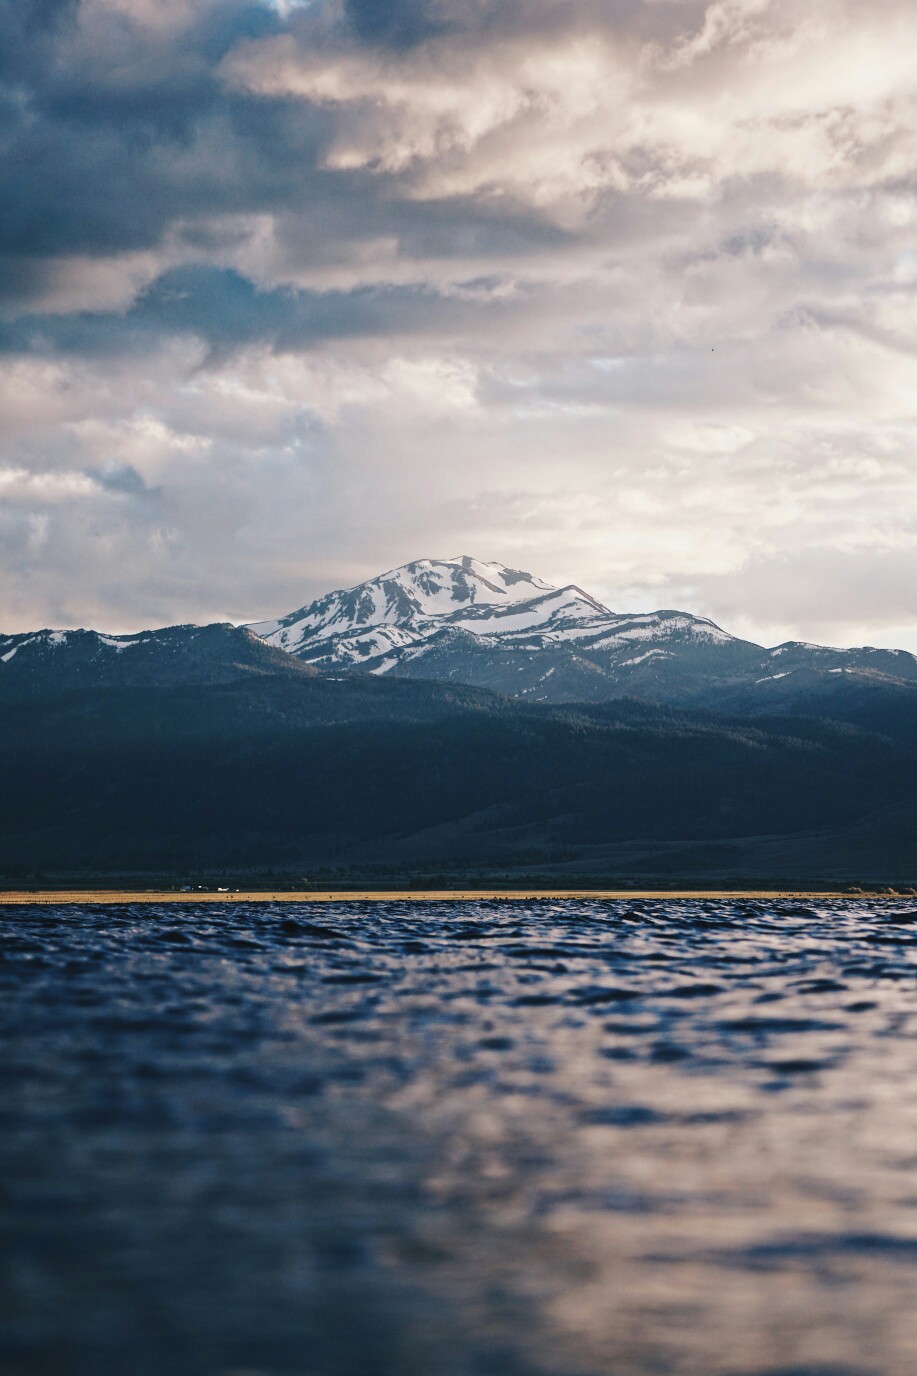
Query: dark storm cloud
point(123, 479)
point(27, 29)
point(227, 312)
point(401, 23)
point(104, 151)
point(108, 145)
point(327, 227)
point(117, 136)
point(97, 150)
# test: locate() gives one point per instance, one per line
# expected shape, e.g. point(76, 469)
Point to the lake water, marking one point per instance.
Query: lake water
point(470, 1139)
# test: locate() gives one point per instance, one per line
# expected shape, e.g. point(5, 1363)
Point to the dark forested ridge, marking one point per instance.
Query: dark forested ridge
point(264, 765)
point(60, 661)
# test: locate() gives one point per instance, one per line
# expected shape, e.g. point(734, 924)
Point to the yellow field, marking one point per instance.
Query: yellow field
point(397, 895)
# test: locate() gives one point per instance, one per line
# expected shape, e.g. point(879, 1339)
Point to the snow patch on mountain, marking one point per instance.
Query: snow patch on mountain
point(463, 606)
point(468, 621)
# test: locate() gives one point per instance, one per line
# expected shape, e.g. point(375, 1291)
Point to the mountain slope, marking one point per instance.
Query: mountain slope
point(464, 621)
point(296, 770)
point(390, 618)
point(209, 747)
point(54, 661)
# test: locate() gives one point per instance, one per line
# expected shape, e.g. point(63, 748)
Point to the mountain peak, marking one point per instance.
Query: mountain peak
point(393, 617)
point(464, 620)
point(421, 589)
point(437, 585)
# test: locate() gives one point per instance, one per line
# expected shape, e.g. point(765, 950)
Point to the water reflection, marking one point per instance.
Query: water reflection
point(557, 1139)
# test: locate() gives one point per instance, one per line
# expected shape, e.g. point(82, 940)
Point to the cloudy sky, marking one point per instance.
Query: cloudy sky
point(618, 291)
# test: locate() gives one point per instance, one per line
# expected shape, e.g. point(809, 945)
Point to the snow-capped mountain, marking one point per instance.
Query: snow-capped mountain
point(485, 624)
point(397, 613)
point(464, 622)
point(390, 619)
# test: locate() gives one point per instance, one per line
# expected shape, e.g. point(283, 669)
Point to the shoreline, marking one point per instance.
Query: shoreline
point(121, 897)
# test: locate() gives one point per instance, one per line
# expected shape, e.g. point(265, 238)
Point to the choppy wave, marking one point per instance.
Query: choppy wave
point(487, 1139)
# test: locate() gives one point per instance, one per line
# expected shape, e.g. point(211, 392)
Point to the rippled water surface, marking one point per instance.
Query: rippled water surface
point(491, 1139)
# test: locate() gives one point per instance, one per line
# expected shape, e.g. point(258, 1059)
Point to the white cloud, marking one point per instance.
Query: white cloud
point(825, 97)
point(670, 357)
